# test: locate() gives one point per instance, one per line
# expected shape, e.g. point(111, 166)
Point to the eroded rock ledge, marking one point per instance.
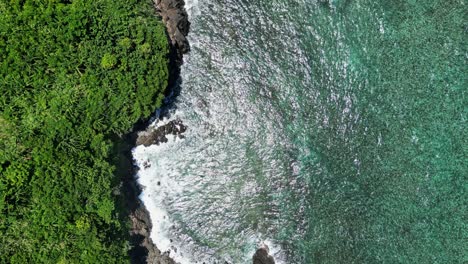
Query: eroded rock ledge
point(175, 18)
point(159, 135)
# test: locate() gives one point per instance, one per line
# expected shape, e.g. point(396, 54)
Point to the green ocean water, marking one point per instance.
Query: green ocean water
point(336, 130)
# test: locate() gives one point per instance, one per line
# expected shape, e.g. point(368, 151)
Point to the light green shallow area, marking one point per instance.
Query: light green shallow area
point(335, 129)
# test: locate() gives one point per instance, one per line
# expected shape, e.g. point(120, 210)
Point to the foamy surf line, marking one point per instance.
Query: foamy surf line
point(158, 186)
point(191, 6)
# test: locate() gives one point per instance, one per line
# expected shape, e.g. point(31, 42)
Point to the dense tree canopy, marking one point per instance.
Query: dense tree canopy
point(73, 74)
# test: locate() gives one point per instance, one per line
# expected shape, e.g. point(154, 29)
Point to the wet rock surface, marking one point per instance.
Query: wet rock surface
point(152, 136)
point(262, 256)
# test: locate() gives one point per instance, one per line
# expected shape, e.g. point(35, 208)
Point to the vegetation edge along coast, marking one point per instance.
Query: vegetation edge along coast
point(175, 19)
point(75, 78)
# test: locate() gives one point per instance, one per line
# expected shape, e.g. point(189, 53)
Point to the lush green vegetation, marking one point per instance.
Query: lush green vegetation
point(73, 74)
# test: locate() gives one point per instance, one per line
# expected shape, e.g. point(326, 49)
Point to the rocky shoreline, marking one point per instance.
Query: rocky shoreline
point(143, 250)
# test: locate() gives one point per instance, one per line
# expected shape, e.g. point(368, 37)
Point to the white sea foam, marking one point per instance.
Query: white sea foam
point(276, 251)
point(204, 192)
point(192, 8)
point(160, 184)
point(157, 187)
point(152, 180)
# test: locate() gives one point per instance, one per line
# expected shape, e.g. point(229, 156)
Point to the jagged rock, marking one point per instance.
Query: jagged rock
point(156, 136)
point(176, 20)
point(146, 164)
point(141, 229)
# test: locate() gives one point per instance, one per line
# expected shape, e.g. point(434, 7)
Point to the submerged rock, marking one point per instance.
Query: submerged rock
point(262, 256)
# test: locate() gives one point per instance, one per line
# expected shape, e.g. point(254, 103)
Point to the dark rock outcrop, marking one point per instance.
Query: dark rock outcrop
point(175, 18)
point(262, 256)
point(159, 135)
point(142, 248)
point(145, 252)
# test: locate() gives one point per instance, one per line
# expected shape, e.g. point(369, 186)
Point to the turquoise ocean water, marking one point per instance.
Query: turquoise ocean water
point(333, 130)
